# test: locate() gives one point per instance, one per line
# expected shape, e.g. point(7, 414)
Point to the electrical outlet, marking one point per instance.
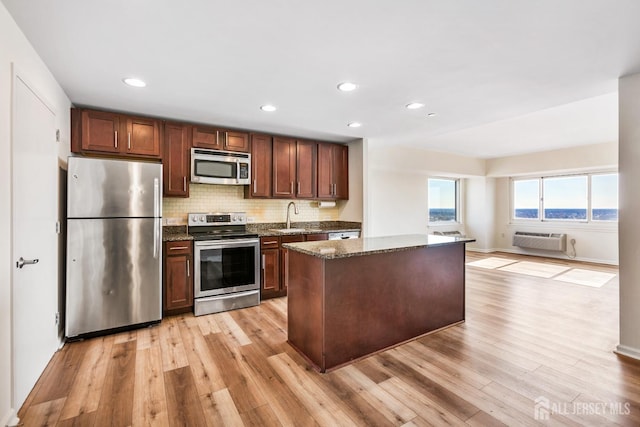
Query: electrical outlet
point(57, 318)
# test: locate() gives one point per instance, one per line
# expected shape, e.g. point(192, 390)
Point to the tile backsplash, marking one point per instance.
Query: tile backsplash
point(230, 198)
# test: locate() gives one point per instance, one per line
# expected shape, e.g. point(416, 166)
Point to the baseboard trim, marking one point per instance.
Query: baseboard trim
point(558, 255)
point(10, 419)
point(627, 351)
point(480, 250)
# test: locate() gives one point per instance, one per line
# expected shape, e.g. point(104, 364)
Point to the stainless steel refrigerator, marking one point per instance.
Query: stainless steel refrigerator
point(114, 250)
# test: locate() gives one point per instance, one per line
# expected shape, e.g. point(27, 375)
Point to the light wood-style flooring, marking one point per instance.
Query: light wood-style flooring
point(524, 339)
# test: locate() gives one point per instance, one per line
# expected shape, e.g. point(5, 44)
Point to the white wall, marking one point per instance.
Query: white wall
point(16, 49)
point(629, 128)
point(566, 160)
point(396, 194)
point(594, 242)
point(480, 212)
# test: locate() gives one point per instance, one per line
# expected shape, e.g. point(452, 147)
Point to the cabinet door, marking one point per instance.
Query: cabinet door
point(325, 171)
point(236, 141)
point(261, 166)
point(100, 131)
point(284, 260)
point(270, 283)
point(206, 137)
point(341, 171)
point(306, 169)
point(176, 161)
point(284, 167)
point(178, 282)
point(142, 137)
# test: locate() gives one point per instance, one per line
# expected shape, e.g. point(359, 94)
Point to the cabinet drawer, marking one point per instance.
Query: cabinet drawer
point(270, 242)
point(292, 239)
point(181, 247)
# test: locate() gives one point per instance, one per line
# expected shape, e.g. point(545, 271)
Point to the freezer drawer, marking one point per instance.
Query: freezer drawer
point(114, 275)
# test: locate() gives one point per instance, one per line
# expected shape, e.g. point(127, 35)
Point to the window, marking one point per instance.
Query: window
point(565, 198)
point(587, 197)
point(443, 200)
point(526, 199)
point(604, 197)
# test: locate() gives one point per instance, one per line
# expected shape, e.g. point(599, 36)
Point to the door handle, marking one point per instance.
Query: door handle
point(22, 262)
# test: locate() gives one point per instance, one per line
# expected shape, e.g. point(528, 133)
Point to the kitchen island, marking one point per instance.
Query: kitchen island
point(351, 298)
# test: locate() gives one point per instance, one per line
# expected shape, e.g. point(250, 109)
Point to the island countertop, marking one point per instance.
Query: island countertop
point(332, 249)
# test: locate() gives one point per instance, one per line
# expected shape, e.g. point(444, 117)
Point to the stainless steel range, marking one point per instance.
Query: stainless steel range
point(227, 262)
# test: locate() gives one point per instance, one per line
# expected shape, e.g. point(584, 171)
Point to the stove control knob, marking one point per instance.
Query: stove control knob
point(202, 218)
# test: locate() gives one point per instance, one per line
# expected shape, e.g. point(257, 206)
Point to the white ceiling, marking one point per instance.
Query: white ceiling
point(504, 76)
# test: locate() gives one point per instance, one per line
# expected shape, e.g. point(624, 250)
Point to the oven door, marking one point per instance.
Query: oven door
point(226, 266)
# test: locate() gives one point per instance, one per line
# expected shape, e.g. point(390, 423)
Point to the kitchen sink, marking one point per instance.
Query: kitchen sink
point(295, 230)
point(288, 230)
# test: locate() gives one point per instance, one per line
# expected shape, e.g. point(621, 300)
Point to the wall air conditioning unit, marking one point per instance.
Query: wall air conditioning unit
point(544, 241)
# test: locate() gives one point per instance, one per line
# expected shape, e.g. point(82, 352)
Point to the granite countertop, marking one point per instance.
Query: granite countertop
point(332, 249)
point(266, 229)
point(172, 233)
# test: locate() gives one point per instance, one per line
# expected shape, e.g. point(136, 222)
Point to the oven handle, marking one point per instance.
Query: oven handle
point(221, 244)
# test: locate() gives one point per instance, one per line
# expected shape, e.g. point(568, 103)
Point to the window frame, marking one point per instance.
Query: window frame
point(458, 201)
point(541, 218)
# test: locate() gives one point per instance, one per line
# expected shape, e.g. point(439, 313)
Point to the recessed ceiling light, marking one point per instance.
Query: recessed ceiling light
point(414, 105)
point(431, 115)
point(354, 124)
point(347, 86)
point(268, 107)
point(131, 81)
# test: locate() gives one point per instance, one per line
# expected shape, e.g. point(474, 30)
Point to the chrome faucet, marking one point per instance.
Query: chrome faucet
point(295, 210)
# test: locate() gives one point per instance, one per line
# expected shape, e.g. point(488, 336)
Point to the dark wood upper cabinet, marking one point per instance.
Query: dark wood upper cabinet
point(306, 169)
point(220, 139)
point(99, 131)
point(206, 137)
point(333, 171)
point(294, 168)
point(284, 167)
point(104, 132)
point(143, 136)
point(261, 166)
point(176, 159)
point(341, 172)
point(236, 141)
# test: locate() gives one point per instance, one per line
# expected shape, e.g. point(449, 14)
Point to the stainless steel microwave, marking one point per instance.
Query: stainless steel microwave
point(220, 167)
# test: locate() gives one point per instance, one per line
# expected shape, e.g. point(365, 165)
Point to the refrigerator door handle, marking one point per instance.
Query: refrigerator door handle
point(156, 197)
point(156, 237)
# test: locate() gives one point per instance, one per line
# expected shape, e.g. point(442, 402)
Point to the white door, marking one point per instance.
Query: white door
point(34, 213)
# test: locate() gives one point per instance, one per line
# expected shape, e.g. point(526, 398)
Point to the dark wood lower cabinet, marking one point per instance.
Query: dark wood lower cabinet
point(275, 262)
point(342, 309)
point(284, 260)
point(178, 277)
point(316, 236)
